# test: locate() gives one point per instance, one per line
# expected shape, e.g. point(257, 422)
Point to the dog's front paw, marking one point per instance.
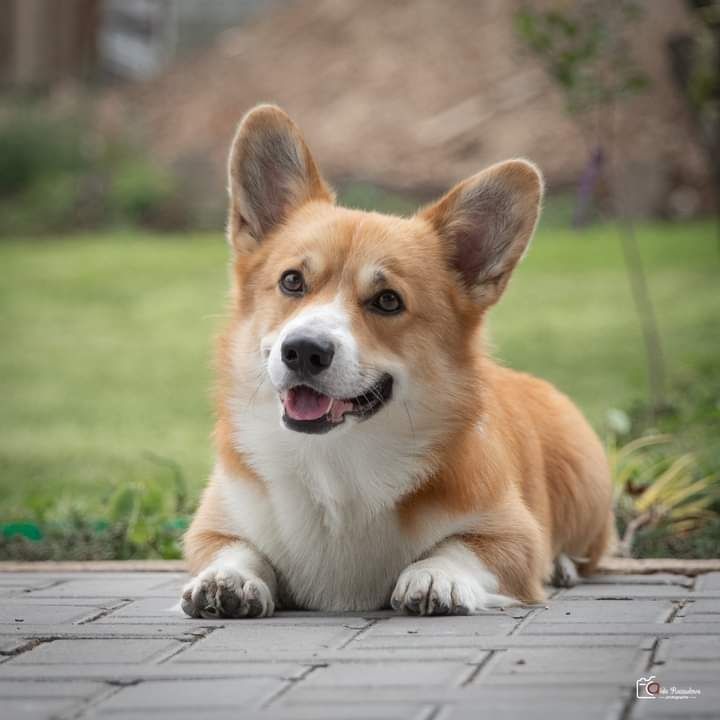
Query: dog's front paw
point(433, 591)
point(225, 592)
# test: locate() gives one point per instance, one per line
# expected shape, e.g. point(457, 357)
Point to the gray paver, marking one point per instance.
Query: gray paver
point(543, 703)
point(113, 585)
point(650, 579)
point(243, 638)
point(618, 591)
point(689, 648)
point(601, 611)
point(46, 613)
point(114, 646)
point(375, 674)
point(523, 661)
point(36, 708)
point(38, 688)
point(708, 582)
point(232, 695)
point(367, 710)
point(90, 652)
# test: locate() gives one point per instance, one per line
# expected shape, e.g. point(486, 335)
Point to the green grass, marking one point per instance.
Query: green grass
point(106, 345)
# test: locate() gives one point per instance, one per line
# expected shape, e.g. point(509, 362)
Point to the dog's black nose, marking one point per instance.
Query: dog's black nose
point(307, 356)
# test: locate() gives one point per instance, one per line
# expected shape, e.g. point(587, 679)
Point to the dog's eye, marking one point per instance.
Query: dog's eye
point(388, 302)
point(292, 282)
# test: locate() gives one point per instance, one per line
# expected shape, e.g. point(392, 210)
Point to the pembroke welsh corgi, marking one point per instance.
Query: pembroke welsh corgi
point(369, 452)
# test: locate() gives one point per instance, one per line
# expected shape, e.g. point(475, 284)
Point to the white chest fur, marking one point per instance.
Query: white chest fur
point(328, 523)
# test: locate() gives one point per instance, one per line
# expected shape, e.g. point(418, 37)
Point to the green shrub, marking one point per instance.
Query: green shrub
point(140, 520)
point(33, 148)
point(58, 174)
point(657, 491)
point(138, 192)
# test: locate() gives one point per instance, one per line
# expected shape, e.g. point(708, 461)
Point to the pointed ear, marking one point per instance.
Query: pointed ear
point(271, 173)
point(487, 222)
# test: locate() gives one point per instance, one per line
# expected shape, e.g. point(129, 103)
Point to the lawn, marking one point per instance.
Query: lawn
point(106, 345)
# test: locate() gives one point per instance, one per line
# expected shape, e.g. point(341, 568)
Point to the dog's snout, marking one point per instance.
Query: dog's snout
point(307, 356)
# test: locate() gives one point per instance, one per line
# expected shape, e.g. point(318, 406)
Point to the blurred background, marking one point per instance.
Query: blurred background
point(115, 121)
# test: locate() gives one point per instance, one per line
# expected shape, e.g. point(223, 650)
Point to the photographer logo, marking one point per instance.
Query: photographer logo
point(648, 688)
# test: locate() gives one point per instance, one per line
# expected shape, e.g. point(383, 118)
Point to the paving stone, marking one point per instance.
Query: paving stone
point(689, 648)
point(700, 607)
point(404, 632)
point(27, 581)
point(110, 630)
point(114, 646)
point(19, 689)
point(244, 639)
point(604, 611)
point(311, 656)
point(374, 674)
point(524, 661)
point(540, 703)
point(88, 652)
point(20, 586)
point(231, 695)
point(485, 624)
point(113, 585)
point(46, 613)
point(11, 645)
point(475, 695)
point(130, 673)
point(646, 642)
point(605, 591)
point(367, 710)
point(37, 708)
point(649, 579)
point(708, 582)
point(622, 628)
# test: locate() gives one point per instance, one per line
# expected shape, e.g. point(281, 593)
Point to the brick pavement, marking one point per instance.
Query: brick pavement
point(109, 645)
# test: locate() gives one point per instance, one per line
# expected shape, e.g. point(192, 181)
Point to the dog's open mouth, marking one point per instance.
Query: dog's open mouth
point(310, 411)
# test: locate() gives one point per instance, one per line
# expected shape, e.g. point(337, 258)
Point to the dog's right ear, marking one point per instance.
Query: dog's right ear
point(271, 173)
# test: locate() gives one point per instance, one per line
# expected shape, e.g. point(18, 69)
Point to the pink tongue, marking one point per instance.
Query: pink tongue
point(303, 403)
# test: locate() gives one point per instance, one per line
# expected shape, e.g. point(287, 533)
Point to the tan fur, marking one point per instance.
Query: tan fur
point(513, 449)
point(208, 533)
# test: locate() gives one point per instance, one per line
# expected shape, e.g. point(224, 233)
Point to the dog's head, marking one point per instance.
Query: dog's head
point(344, 317)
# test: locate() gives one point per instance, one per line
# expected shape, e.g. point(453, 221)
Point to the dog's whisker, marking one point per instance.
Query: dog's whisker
point(409, 417)
point(251, 401)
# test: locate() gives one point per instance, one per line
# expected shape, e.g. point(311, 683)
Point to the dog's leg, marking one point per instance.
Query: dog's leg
point(239, 582)
point(450, 580)
point(565, 574)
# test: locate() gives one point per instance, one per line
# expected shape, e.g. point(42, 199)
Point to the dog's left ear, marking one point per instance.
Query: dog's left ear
point(487, 222)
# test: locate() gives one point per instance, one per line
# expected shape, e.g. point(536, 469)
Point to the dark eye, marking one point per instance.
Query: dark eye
point(292, 282)
point(388, 302)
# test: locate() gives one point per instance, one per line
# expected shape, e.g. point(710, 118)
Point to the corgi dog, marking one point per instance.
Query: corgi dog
point(369, 453)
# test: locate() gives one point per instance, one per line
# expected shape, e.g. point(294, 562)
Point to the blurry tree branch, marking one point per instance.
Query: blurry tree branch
point(584, 50)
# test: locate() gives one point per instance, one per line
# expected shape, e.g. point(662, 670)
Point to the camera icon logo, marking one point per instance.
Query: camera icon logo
point(647, 688)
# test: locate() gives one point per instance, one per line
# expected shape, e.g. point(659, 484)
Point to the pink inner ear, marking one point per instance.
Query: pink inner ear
point(484, 233)
point(471, 255)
